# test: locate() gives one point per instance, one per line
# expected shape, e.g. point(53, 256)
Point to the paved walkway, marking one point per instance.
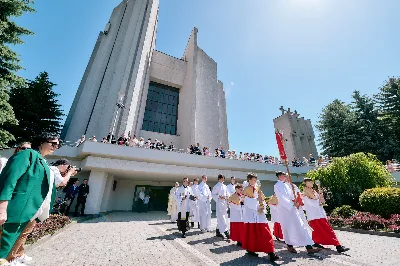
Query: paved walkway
point(149, 239)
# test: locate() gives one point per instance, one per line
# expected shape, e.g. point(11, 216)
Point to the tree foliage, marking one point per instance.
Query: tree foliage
point(10, 34)
point(36, 108)
point(370, 125)
point(347, 177)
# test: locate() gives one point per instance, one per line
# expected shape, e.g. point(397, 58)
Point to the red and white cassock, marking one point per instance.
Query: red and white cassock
point(323, 233)
point(257, 235)
point(275, 219)
point(236, 219)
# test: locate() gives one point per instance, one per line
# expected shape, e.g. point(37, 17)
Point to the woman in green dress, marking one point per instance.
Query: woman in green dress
point(26, 185)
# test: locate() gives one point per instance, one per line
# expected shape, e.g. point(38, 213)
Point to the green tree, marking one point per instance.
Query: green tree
point(338, 129)
point(36, 109)
point(372, 136)
point(10, 34)
point(347, 177)
point(388, 100)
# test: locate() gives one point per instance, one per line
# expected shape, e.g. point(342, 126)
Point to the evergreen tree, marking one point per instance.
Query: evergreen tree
point(36, 109)
point(10, 34)
point(371, 133)
point(388, 100)
point(338, 129)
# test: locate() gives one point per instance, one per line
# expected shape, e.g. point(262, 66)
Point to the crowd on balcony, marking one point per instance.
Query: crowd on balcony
point(219, 152)
point(393, 166)
point(195, 149)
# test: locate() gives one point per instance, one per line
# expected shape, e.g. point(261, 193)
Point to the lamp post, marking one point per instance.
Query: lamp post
point(120, 105)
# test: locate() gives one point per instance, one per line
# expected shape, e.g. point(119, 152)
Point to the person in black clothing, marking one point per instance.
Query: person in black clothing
point(70, 195)
point(82, 195)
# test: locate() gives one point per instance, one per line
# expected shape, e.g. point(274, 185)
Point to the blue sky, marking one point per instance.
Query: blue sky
point(300, 54)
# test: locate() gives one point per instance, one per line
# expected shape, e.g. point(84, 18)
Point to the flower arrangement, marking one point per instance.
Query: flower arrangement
point(48, 227)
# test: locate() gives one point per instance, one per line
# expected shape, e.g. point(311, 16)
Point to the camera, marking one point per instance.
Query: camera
point(77, 169)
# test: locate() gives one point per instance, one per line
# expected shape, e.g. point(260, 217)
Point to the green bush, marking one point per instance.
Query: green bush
point(381, 201)
point(344, 211)
point(347, 177)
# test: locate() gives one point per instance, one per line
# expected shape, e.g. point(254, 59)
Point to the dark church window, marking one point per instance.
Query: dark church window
point(161, 112)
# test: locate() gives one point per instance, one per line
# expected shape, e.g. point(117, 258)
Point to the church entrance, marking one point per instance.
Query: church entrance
point(158, 200)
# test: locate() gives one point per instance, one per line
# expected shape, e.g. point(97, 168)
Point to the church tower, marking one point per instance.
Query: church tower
point(118, 67)
point(131, 88)
point(297, 133)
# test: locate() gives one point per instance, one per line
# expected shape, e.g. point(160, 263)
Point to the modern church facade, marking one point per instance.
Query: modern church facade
point(178, 100)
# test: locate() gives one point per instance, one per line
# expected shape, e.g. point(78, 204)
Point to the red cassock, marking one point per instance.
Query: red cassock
point(236, 222)
point(323, 233)
point(278, 231)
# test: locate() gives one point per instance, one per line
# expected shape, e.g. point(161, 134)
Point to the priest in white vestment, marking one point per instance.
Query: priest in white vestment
point(172, 203)
point(220, 196)
point(183, 197)
point(323, 233)
point(204, 202)
point(291, 216)
point(231, 187)
point(194, 204)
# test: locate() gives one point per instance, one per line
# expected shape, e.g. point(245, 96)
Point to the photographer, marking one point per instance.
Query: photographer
point(63, 171)
point(83, 192)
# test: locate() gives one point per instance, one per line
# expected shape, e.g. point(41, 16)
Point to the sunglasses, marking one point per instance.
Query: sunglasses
point(54, 144)
point(24, 148)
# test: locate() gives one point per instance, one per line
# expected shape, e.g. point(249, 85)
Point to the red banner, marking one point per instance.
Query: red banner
point(281, 147)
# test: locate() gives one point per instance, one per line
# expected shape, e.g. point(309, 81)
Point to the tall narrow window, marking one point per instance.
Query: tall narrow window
point(161, 112)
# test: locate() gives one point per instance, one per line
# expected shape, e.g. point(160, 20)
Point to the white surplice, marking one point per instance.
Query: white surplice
point(292, 220)
point(204, 206)
point(218, 191)
point(182, 197)
point(273, 209)
point(194, 205)
point(313, 208)
point(172, 205)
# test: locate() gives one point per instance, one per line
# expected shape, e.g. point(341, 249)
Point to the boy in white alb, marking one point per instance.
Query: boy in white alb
point(291, 217)
point(204, 205)
point(220, 196)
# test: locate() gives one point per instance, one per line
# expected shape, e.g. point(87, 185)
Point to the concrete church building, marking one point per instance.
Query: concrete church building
point(178, 100)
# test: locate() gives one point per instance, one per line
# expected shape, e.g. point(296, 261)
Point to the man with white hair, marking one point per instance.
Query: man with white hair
point(172, 203)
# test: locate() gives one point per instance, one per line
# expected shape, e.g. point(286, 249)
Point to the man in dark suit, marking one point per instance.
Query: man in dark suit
point(82, 195)
point(70, 195)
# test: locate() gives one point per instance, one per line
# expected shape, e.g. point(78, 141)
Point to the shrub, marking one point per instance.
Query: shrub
point(382, 201)
point(344, 211)
point(347, 177)
point(48, 227)
point(395, 219)
point(367, 221)
point(336, 220)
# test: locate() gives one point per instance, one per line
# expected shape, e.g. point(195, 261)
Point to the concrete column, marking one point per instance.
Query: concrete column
point(97, 183)
point(107, 192)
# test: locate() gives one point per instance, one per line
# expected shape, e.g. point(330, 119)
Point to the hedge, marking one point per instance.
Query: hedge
point(381, 201)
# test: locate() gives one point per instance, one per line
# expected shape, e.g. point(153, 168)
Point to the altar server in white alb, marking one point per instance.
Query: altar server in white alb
point(204, 201)
point(194, 204)
point(183, 198)
point(172, 203)
point(232, 186)
point(220, 196)
point(236, 211)
point(323, 233)
point(291, 217)
point(273, 207)
point(257, 236)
